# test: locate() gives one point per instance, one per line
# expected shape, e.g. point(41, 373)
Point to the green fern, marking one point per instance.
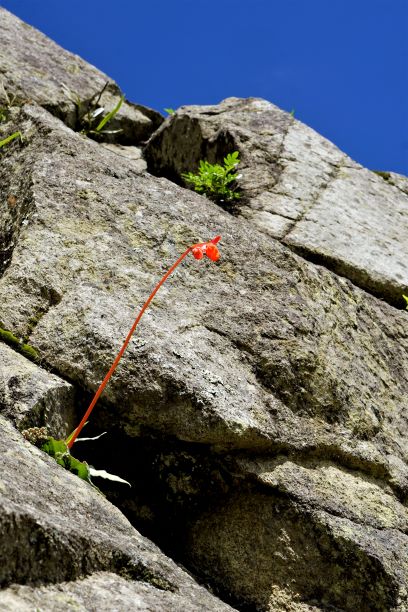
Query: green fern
point(216, 181)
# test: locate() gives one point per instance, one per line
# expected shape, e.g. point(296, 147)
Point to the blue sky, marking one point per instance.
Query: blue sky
point(341, 64)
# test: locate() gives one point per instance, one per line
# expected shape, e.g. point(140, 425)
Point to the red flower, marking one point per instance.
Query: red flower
point(207, 248)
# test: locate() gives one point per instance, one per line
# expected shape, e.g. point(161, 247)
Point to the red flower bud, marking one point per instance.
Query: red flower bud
point(212, 252)
point(198, 252)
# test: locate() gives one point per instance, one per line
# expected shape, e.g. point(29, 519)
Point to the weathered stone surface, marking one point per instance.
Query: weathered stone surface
point(133, 153)
point(61, 529)
point(35, 69)
point(104, 592)
point(309, 556)
point(297, 187)
point(306, 513)
point(397, 180)
point(261, 409)
point(33, 397)
point(263, 351)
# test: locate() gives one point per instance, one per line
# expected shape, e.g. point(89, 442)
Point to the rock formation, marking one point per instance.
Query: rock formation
point(260, 412)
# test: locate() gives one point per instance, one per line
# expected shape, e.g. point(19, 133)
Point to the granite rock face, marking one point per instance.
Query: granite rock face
point(260, 412)
point(297, 187)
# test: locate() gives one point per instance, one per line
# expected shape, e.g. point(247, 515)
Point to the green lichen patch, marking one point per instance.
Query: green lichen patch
point(18, 344)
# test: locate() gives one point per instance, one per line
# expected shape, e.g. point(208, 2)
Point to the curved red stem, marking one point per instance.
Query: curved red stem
point(122, 350)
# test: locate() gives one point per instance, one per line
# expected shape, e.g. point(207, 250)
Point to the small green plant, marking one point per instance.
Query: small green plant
point(58, 449)
point(92, 121)
point(10, 100)
point(18, 344)
point(105, 120)
point(384, 175)
point(406, 300)
point(215, 181)
point(169, 111)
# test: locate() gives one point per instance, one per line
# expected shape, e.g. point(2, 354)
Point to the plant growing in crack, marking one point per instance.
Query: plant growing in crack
point(9, 101)
point(60, 449)
point(216, 181)
point(92, 121)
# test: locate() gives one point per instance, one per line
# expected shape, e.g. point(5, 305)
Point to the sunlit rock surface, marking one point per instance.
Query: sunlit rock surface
point(260, 411)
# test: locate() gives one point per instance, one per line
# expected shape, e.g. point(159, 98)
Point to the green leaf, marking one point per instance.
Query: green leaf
point(169, 111)
point(406, 299)
point(110, 115)
point(10, 138)
point(59, 450)
point(52, 447)
point(80, 468)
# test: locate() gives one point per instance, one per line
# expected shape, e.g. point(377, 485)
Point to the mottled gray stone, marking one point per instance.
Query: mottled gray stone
point(62, 529)
point(359, 225)
point(107, 592)
point(343, 216)
point(276, 554)
point(262, 351)
point(133, 153)
point(33, 397)
point(269, 394)
point(35, 69)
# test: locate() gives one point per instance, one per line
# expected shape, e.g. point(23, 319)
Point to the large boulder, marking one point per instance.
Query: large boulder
point(259, 412)
point(298, 187)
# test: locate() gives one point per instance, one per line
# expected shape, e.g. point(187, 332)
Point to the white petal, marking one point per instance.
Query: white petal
point(104, 474)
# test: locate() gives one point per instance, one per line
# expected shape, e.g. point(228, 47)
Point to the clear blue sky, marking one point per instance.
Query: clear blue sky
point(341, 64)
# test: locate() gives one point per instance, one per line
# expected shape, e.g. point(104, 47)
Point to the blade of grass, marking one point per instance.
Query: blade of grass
point(10, 138)
point(110, 115)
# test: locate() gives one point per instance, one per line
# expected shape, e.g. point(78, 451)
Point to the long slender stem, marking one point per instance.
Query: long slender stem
point(122, 350)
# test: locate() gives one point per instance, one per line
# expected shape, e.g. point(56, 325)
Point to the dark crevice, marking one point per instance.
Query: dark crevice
point(16, 193)
point(175, 484)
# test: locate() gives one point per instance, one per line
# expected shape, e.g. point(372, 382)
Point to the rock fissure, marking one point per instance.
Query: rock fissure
point(336, 169)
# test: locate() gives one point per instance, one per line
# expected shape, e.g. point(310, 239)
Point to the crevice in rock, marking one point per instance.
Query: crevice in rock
point(176, 484)
point(16, 193)
point(332, 177)
point(122, 129)
point(172, 481)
